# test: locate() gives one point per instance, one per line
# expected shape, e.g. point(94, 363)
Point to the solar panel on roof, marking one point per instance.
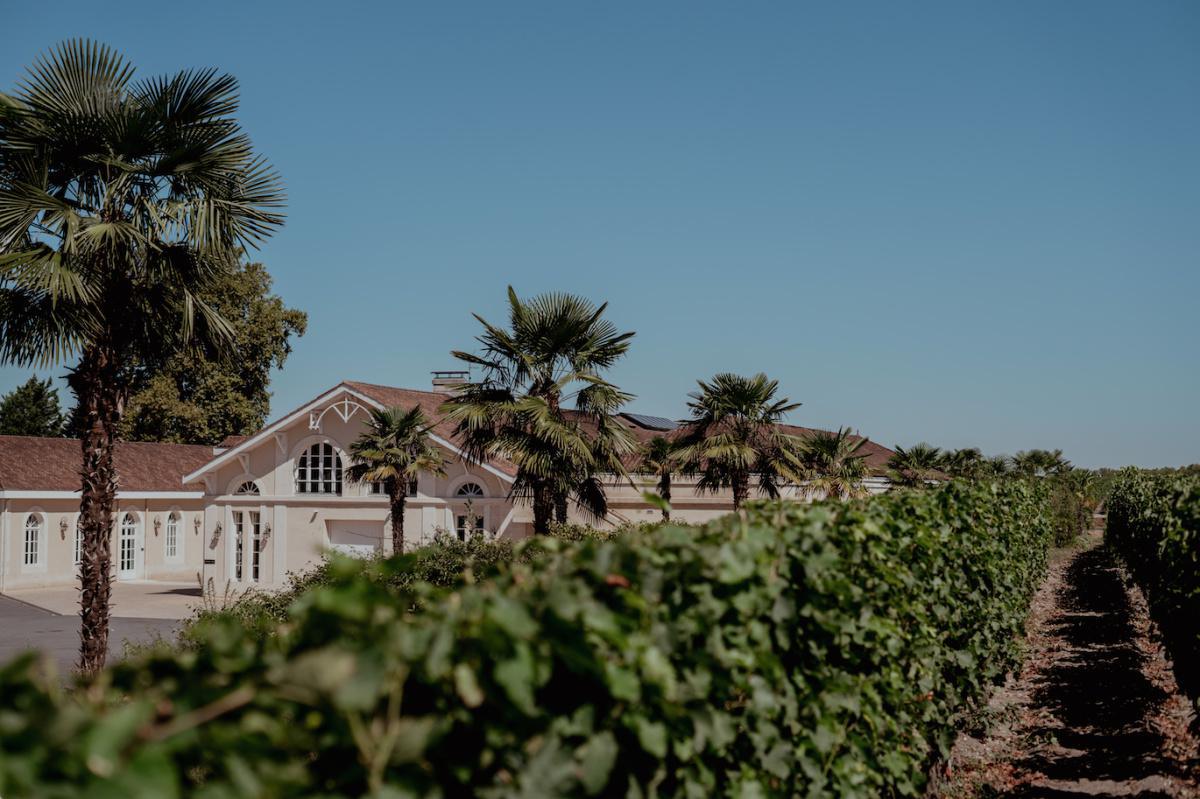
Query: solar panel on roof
point(651, 422)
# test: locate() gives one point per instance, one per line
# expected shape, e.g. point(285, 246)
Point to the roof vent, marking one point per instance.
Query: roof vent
point(448, 382)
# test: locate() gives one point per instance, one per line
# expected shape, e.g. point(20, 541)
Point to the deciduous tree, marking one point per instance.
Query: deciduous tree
point(32, 409)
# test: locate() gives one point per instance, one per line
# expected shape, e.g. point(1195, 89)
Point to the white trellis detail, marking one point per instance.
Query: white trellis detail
point(344, 409)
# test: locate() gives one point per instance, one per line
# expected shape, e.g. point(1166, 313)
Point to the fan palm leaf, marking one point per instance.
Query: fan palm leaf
point(834, 464)
point(734, 436)
point(554, 350)
point(393, 450)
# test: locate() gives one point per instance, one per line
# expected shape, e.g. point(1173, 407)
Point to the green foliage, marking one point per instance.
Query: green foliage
point(915, 466)
point(190, 398)
point(32, 409)
point(447, 563)
point(1154, 523)
point(122, 204)
point(556, 345)
point(820, 650)
point(833, 464)
point(734, 435)
point(1039, 463)
point(391, 451)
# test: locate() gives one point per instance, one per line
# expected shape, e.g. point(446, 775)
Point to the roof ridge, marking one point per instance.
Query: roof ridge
point(392, 388)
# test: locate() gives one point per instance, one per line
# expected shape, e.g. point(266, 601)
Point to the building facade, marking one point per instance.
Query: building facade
point(255, 508)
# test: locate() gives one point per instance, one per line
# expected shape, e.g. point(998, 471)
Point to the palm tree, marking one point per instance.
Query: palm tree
point(834, 465)
point(997, 466)
point(916, 466)
point(393, 450)
point(556, 348)
point(121, 202)
point(968, 463)
point(734, 435)
point(1039, 463)
point(660, 457)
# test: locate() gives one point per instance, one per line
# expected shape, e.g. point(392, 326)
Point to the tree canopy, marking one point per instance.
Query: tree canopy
point(32, 409)
point(191, 398)
point(734, 436)
point(556, 347)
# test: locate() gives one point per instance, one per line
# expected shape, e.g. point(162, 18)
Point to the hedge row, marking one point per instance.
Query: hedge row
point(446, 562)
point(818, 651)
point(1154, 524)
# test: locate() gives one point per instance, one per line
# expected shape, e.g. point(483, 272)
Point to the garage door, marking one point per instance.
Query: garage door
point(361, 539)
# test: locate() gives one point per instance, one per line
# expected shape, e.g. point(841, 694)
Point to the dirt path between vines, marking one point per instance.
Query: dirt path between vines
point(1095, 710)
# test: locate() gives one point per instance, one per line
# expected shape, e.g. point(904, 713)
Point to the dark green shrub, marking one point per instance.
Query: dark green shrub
point(821, 650)
point(1070, 509)
point(1154, 523)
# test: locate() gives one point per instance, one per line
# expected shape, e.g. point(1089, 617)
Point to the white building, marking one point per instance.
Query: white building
point(256, 507)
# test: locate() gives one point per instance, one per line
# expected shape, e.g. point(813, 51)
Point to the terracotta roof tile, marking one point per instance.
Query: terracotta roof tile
point(29, 463)
point(431, 401)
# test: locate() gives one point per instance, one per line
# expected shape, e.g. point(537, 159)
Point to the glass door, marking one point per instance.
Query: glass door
point(127, 546)
point(247, 545)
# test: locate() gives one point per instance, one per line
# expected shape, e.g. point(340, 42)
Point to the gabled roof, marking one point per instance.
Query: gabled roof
point(371, 394)
point(430, 402)
point(30, 463)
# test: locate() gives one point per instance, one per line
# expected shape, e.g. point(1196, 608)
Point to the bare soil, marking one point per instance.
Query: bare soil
point(1095, 710)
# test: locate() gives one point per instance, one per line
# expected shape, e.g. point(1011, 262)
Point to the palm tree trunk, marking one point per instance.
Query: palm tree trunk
point(99, 397)
point(741, 490)
point(543, 508)
point(664, 491)
point(399, 490)
point(560, 507)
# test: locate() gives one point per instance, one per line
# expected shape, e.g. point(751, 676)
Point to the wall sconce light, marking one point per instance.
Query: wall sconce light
point(266, 532)
point(196, 522)
point(62, 527)
point(157, 525)
point(217, 530)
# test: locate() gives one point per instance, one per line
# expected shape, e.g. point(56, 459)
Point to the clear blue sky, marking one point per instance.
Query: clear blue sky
point(967, 223)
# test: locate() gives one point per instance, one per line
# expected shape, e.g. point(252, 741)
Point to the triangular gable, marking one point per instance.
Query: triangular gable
point(360, 392)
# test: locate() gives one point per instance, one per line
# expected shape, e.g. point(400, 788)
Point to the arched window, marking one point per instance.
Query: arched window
point(33, 540)
point(319, 471)
point(469, 490)
point(248, 487)
point(171, 538)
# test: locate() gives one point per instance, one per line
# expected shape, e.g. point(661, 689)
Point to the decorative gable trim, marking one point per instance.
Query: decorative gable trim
point(329, 399)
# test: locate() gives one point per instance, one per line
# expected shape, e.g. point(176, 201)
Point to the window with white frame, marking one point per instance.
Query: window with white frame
point(469, 490)
point(33, 540)
point(171, 537)
point(468, 525)
point(319, 470)
point(248, 487)
point(78, 543)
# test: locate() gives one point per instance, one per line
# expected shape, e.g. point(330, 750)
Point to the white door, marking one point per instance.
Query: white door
point(128, 547)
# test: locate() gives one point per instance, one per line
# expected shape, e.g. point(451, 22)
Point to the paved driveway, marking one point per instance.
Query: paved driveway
point(24, 626)
point(142, 599)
